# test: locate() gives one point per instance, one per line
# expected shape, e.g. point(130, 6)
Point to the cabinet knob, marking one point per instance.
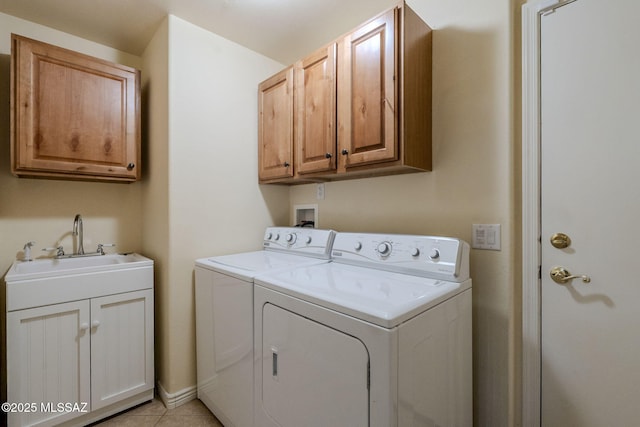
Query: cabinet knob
point(130, 166)
point(95, 323)
point(328, 155)
point(344, 152)
point(84, 326)
point(286, 164)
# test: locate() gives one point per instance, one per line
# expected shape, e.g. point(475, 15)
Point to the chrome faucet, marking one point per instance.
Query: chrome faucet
point(77, 231)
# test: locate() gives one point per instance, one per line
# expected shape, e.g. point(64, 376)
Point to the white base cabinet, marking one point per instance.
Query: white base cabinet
point(75, 362)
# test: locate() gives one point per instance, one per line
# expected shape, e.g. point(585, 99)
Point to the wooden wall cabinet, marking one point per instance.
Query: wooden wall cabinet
point(363, 103)
point(72, 116)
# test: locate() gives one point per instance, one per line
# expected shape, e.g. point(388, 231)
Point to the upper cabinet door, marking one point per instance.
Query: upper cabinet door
point(275, 127)
point(367, 121)
point(73, 116)
point(315, 98)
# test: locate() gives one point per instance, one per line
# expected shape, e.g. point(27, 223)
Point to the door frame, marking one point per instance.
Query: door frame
point(531, 212)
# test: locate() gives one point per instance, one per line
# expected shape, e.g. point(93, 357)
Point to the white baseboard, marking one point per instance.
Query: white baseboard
point(173, 400)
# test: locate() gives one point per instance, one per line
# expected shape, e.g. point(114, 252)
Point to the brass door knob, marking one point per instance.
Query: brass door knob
point(562, 276)
point(560, 241)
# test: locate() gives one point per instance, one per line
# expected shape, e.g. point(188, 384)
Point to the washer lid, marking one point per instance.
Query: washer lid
point(380, 297)
point(247, 265)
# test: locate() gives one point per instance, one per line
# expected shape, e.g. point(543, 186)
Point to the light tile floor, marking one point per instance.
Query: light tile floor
point(191, 414)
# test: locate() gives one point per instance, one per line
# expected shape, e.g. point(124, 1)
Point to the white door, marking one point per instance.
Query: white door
point(590, 98)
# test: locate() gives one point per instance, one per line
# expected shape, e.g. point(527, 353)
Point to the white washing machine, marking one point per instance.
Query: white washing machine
point(379, 337)
point(224, 316)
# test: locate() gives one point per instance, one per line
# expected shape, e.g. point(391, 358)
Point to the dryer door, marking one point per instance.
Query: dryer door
point(312, 375)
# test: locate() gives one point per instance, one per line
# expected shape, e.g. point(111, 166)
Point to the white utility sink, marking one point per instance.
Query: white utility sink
point(47, 281)
point(79, 331)
point(45, 267)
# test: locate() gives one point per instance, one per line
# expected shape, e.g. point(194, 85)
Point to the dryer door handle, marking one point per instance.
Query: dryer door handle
point(274, 363)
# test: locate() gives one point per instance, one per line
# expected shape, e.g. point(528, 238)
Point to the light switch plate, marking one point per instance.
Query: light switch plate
point(486, 236)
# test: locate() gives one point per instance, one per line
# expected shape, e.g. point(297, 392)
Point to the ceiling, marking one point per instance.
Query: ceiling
point(284, 30)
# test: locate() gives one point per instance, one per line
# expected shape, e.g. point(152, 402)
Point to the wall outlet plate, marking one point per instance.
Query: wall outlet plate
point(486, 236)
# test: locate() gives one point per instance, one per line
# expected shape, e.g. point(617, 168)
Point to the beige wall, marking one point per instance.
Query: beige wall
point(473, 181)
point(43, 210)
point(201, 196)
point(155, 184)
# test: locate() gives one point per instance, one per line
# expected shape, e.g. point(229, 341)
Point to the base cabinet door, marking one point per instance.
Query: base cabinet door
point(121, 346)
point(48, 363)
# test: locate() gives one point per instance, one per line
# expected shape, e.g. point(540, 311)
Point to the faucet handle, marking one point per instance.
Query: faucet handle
point(27, 250)
point(59, 249)
point(101, 247)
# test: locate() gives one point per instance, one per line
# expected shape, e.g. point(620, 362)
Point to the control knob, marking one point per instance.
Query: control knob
point(384, 249)
point(434, 254)
point(357, 246)
point(290, 238)
point(308, 240)
point(269, 236)
point(415, 252)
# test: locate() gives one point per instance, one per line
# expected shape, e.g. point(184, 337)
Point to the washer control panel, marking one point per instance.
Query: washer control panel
point(307, 241)
point(427, 256)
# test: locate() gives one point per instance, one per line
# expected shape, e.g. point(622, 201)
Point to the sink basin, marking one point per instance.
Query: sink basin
point(47, 267)
point(49, 281)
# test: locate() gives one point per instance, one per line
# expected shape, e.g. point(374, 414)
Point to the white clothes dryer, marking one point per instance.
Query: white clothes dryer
point(224, 315)
point(379, 337)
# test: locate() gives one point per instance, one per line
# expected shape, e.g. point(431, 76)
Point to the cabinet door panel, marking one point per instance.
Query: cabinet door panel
point(315, 98)
point(121, 346)
point(367, 118)
point(275, 126)
point(48, 358)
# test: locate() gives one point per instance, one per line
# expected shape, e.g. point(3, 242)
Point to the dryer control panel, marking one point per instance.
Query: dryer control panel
point(427, 256)
point(300, 240)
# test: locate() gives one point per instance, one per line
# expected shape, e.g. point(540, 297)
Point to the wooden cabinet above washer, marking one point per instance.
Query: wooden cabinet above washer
point(363, 103)
point(72, 116)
